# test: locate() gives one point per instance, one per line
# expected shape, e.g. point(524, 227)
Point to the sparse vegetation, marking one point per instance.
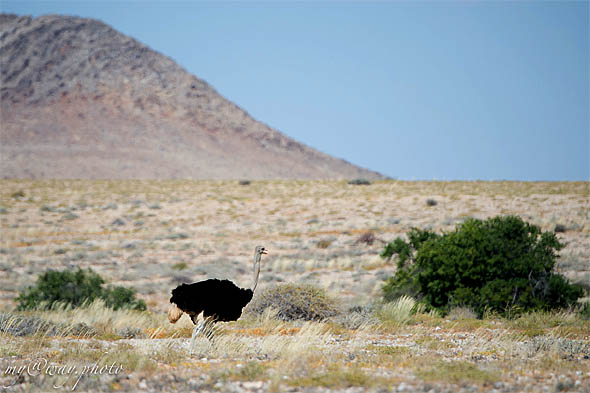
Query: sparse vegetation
point(365, 346)
point(336, 376)
point(455, 372)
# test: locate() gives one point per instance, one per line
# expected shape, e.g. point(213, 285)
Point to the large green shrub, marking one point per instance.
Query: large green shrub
point(402, 284)
point(502, 264)
point(75, 288)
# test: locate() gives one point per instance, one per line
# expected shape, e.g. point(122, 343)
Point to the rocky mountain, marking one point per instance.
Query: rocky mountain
point(81, 100)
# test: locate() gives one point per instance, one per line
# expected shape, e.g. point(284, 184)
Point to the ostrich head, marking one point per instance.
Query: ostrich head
point(258, 251)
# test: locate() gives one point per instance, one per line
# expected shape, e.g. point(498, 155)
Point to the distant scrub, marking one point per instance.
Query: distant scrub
point(431, 202)
point(75, 289)
point(323, 244)
point(502, 264)
point(180, 266)
point(359, 182)
point(367, 238)
point(295, 301)
point(18, 194)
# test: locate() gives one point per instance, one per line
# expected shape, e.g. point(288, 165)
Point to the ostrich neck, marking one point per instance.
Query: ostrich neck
point(256, 271)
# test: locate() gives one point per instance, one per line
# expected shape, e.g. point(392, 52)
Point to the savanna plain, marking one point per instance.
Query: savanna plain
point(154, 235)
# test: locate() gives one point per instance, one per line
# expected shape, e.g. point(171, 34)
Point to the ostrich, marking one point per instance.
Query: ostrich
point(218, 300)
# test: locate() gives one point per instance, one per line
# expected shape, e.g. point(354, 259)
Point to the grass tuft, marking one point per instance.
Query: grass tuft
point(400, 311)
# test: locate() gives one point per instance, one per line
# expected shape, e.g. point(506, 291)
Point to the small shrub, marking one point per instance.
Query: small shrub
point(179, 266)
point(294, 302)
point(367, 238)
point(244, 182)
point(130, 332)
point(70, 216)
point(323, 244)
point(177, 236)
point(118, 222)
point(75, 288)
point(18, 194)
point(431, 202)
point(560, 228)
point(359, 182)
point(502, 264)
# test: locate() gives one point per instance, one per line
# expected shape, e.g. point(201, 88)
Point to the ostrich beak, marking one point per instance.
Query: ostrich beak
point(264, 251)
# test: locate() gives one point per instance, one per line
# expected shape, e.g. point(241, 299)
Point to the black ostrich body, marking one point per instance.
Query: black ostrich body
point(218, 300)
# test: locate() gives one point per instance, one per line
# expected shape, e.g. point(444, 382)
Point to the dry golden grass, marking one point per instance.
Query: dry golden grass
point(313, 354)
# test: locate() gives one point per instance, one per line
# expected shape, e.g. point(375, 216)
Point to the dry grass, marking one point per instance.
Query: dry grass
point(314, 354)
point(152, 235)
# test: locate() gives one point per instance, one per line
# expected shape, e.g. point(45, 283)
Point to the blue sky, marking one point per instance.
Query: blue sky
point(415, 90)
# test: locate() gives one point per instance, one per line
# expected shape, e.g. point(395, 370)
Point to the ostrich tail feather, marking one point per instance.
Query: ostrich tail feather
point(174, 313)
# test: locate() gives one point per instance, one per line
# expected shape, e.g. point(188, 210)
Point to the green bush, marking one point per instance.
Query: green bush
point(402, 284)
point(502, 264)
point(294, 301)
point(121, 297)
point(75, 288)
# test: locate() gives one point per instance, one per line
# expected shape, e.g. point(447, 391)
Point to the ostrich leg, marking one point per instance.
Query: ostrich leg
point(193, 337)
point(201, 327)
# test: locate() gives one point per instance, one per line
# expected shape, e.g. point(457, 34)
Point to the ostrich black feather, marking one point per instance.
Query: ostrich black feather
point(221, 300)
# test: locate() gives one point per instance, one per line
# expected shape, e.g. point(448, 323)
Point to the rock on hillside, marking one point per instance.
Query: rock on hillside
point(81, 100)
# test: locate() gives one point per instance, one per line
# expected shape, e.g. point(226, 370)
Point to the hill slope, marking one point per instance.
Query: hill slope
point(81, 100)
